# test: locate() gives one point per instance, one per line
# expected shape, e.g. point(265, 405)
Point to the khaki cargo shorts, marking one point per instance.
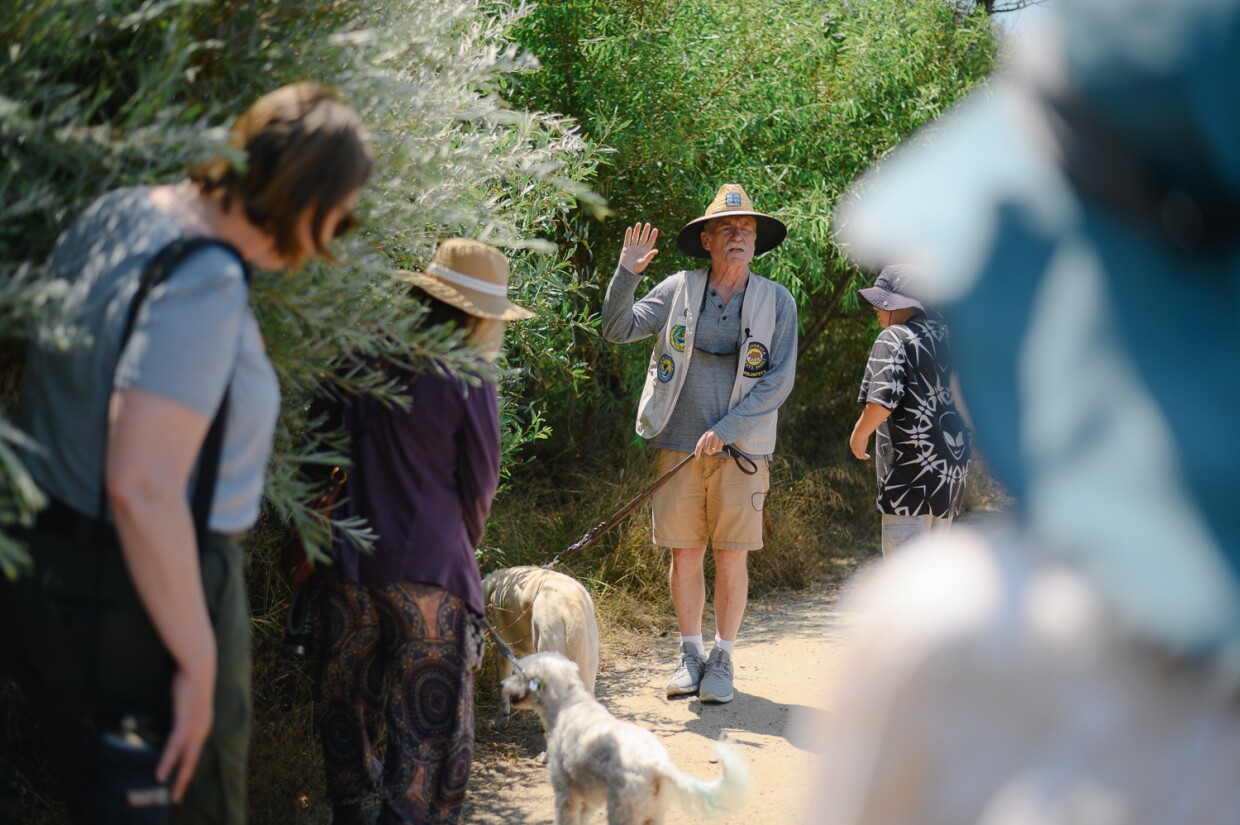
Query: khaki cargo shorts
point(709, 498)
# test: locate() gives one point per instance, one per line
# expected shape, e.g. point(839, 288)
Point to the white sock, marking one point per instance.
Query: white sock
point(725, 645)
point(697, 642)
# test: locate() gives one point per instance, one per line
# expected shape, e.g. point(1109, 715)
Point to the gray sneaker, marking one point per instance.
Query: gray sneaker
point(716, 683)
point(688, 672)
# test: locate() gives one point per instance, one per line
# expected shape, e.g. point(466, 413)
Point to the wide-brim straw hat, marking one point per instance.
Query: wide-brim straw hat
point(731, 200)
point(471, 276)
point(1077, 225)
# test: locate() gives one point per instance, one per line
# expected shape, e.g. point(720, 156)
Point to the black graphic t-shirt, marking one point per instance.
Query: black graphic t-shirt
point(921, 450)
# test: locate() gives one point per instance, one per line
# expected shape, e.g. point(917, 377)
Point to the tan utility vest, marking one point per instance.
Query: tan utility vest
point(673, 350)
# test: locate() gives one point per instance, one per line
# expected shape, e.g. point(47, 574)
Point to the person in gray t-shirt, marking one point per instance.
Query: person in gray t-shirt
point(118, 431)
point(723, 363)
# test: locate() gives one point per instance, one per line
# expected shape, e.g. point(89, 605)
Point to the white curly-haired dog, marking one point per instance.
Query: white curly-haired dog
point(597, 759)
point(535, 611)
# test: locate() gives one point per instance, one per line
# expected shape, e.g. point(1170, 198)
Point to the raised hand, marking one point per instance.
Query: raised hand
point(638, 250)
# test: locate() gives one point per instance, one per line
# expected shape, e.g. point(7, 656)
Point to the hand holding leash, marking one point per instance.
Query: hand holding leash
point(709, 444)
point(744, 463)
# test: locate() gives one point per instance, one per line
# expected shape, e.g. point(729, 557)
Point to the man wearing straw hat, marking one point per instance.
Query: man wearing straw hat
point(724, 360)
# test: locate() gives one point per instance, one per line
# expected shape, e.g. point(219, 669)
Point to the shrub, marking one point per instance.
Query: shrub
point(99, 95)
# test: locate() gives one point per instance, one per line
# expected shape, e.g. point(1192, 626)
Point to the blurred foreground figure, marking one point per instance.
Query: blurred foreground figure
point(154, 423)
point(1082, 236)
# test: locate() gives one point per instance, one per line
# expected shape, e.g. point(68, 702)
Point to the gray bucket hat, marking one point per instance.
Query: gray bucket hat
point(891, 288)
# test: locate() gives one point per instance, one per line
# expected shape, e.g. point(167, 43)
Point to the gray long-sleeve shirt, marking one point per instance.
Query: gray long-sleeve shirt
point(703, 401)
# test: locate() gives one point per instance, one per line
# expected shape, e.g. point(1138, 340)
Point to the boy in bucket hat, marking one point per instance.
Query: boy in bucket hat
point(1078, 226)
point(723, 362)
point(921, 446)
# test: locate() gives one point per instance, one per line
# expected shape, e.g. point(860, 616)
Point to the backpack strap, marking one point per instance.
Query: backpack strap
point(153, 274)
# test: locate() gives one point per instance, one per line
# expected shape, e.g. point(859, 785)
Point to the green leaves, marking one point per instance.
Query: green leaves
point(790, 99)
point(20, 499)
point(662, 101)
point(131, 92)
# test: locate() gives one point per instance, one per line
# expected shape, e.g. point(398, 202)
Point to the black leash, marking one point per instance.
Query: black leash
point(503, 648)
point(744, 463)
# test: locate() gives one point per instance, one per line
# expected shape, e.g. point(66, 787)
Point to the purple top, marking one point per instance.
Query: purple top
point(424, 479)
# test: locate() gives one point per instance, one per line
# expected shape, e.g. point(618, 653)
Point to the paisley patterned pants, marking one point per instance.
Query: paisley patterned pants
point(395, 667)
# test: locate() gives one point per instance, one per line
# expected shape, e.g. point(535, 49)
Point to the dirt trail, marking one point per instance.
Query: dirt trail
point(784, 660)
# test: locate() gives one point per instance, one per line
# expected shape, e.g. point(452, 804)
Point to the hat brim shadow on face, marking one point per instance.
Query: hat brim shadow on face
point(771, 233)
point(473, 303)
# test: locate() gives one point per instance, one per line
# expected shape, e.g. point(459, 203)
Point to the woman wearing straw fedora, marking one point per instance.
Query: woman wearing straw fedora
point(724, 361)
point(398, 630)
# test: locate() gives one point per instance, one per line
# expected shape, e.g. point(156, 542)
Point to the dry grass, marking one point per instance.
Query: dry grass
point(984, 492)
point(286, 765)
point(27, 792)
point(811, 516)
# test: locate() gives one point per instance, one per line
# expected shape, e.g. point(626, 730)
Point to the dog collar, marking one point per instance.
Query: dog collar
point(535, 684)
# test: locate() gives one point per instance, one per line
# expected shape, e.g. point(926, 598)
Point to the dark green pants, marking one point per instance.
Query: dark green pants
point(48, 631)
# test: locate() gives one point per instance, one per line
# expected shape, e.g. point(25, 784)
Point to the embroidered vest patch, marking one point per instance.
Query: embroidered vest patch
point(678, 337)
point(757, 360)
point(666, 369)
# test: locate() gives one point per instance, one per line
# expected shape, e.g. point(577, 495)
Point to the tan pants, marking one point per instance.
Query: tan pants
point(709, 498)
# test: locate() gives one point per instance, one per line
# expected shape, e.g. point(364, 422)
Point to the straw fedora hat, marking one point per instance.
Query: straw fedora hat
point(731, 200)
point(471, 276)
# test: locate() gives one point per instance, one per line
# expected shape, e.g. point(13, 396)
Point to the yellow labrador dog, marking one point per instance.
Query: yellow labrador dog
point(536, 611)
point(597, 759)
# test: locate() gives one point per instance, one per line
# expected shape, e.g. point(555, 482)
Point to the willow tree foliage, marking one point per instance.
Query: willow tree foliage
point(791, 99)
point(98, 95)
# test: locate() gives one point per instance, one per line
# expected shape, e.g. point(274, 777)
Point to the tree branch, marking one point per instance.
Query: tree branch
point(1003, 6)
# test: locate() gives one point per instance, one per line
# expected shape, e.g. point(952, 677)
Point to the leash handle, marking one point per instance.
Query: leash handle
point(744, 461)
